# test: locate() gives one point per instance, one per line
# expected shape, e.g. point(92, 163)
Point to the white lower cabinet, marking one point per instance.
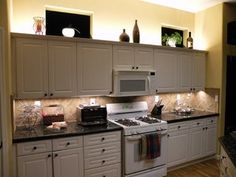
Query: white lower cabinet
point(36, 165)
point(227, 168)
point(177, 144)
point(191, 140)
point(68, 163)
point(51, 158)
point(102, 154)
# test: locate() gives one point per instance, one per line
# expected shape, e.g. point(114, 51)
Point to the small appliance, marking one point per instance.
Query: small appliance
point(91, 115)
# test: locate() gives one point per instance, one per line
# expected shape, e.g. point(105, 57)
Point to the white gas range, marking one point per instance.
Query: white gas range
point(137, 127)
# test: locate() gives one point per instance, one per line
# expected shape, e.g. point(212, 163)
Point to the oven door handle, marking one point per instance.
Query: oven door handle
point(134, 138)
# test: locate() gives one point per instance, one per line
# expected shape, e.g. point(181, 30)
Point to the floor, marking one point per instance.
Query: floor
point(207, 168)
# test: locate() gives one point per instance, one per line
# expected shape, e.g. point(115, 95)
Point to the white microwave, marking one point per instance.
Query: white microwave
point(133, 83)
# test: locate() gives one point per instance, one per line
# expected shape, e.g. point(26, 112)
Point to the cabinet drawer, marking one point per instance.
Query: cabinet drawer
point(107, 171)
point(93, 151)
point(102, 160)
point(197, 123)
point(34, 147)
point(177, 126)
point(212, 120)
point(67, 143)
point(102, 138)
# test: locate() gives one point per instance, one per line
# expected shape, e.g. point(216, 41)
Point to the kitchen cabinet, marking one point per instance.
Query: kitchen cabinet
point(227, 168)
point(133, 58)
point(102, 154)
point(177, 143)
point(34, 159)
point(94, 69)
point(191, 71)
point(166, 66)
point(51, 158)
point(191, 140)
point(44, 68)
point(202, 139)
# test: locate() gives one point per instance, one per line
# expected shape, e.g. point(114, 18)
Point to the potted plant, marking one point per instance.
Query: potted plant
point(172, 40)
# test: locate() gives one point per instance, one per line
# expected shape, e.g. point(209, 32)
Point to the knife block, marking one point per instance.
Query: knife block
point(157, 110)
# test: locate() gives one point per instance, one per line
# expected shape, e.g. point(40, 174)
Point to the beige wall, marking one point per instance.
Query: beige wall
point(109, 17)
point(208, 28)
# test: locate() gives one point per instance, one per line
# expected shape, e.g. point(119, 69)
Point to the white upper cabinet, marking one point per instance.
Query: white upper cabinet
point(31, 68)
point(166, 66)
point(192, 71)
point(45, 68)
point(198, 71)
point(62, 68)
point(132, 58)
point(94, 69)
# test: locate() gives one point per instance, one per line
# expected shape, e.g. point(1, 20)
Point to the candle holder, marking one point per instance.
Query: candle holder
point(39, 26)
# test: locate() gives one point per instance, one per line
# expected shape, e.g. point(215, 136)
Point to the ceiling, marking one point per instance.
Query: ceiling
point(188, 5)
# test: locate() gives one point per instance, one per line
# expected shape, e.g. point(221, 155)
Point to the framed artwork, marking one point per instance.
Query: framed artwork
point(172, 37)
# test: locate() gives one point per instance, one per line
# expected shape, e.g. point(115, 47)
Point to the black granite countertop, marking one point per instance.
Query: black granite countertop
point(73, 129)
point(171, 117)
point(229, 144)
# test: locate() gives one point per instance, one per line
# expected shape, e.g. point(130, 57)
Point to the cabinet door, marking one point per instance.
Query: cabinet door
point(123, 57)
point(177, 147)
point(62, 68)
point(94, 69)
point(185, 71)
point(198, 71)
point(31, 68)
point(68, 163)
point(144, 59)
point(211, 139)
point(37, 165)
point(166, 66)
point(196, 141)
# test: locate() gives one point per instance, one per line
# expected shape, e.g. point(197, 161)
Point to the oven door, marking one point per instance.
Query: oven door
point(133, 162)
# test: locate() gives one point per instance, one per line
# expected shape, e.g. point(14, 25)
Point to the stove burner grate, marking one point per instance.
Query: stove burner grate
point(148, 120)
point(127, 122)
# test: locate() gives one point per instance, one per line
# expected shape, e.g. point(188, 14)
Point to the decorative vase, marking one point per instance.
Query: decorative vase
point(124, 37)
point(136, 34)
point(39, 26)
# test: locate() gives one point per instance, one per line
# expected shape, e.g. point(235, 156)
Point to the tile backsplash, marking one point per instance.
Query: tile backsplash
point(207, 101)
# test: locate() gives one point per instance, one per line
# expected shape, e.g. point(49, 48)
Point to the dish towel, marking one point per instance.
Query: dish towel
point(150, 146)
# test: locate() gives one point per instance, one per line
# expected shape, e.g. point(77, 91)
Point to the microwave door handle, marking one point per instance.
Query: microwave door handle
point(148, 78)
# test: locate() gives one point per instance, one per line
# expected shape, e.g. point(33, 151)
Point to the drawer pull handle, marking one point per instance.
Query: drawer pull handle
point(103, 150)
point(103, 138)
point(34, 148)
point(49, 155)
point(103, 161)
point(68, 143)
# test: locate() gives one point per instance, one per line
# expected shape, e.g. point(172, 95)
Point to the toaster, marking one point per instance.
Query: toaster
point(91, 115)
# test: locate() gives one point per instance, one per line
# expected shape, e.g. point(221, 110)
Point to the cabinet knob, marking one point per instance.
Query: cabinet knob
point(198, 123)
point(132, 67)
point(110, 92)
point(194, 89)
point(51, 94)
point(103, 139)
point(156, 90)
point(104, 176)
point(168, 135)
point(68, 143)
point(56, 155)
point(45, 94)
point(179, 127)
point(49, 155)
point(211, 121)
point(103, 150)
point(206, 128)
point(103, 161)
point(191, 89)
point(136, 67)
point(34, 148)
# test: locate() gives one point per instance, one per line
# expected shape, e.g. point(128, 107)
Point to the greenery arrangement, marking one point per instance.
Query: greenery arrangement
point(172, 40)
